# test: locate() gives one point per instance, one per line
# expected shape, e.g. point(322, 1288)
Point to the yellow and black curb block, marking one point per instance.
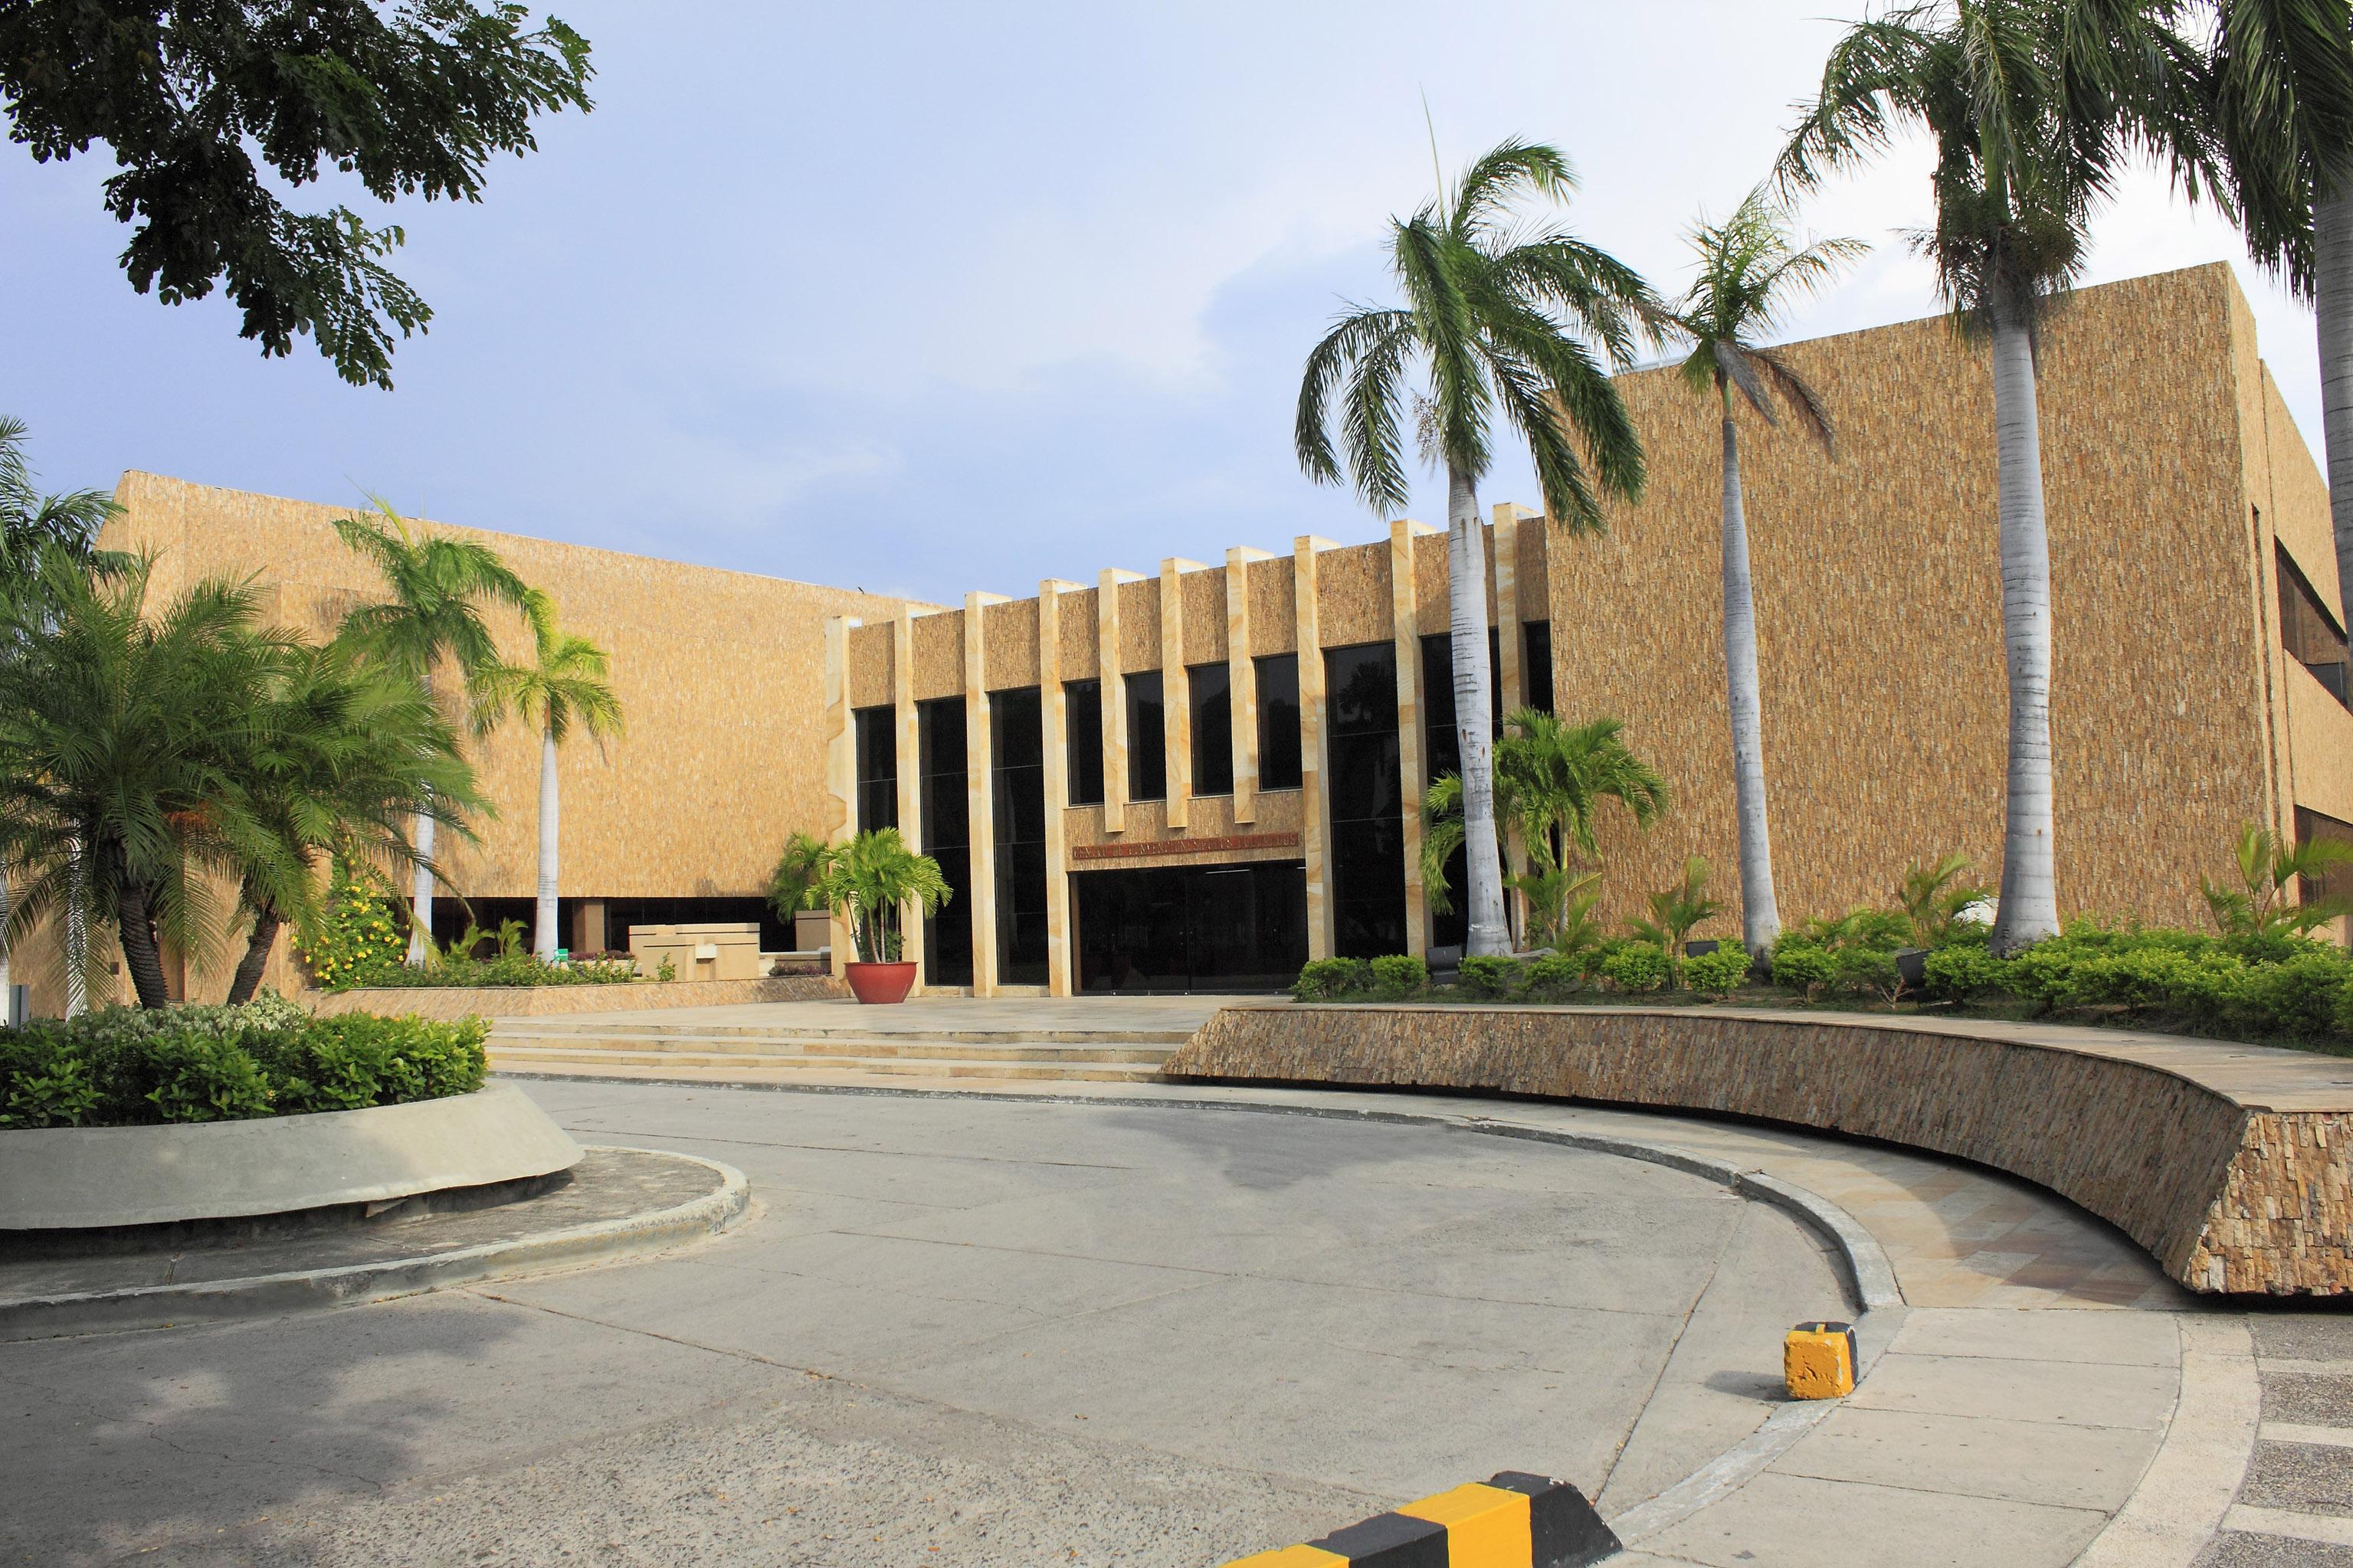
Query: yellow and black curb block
point(1818, 1361)
point(1514, 1520)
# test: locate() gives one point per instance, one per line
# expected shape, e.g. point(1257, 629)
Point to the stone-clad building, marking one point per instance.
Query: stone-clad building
point(1200, 776)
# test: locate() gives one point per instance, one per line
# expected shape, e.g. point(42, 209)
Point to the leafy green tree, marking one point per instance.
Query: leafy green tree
point(1750, 271)
point(870, 880)
point(439, 586)
point(1551, 781)
point(411, 98)
point(2033, 107)
point(2280, 97)
point(338, 759)
point(1496, 317)
point(565, 686)
point(119, 783)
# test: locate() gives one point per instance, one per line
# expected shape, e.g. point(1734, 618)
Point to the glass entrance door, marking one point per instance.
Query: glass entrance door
point(1191, 928)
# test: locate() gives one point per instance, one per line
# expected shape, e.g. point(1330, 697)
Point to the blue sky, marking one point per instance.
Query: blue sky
point(923, 298)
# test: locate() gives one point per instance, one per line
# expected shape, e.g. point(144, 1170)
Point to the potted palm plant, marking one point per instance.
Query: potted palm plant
point(868, 881)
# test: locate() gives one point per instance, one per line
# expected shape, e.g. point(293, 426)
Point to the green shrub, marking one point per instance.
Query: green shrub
point(1329, 979)
point(361, 940)
point(1867, 971)
point(1962, 969)
point(1717, 973)
point(129, 1066)
point(1559, 976)
point(2303, 996)
point(1802, 965)
point(1637, 966)
point(1488, 978)
point(1398, 976)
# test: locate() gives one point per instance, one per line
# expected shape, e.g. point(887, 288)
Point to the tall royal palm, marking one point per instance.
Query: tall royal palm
point(2033, 108)
point(565, 686)
point(1496, 318)
point(439, 587)
point(1749, 273)
point(2280, 100)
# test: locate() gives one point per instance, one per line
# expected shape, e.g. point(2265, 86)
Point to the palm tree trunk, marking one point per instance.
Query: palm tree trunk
point(248, 978)
point(550, 818)
point(420, 893)
point(2332, 248)
point(77, 923)
point(141, 954)
point(1760, 913)
point(1466, 577)
point(2029, 888)
point(7, 981)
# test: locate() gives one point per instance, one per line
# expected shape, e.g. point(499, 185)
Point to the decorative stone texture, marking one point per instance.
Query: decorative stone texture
point(2231, 1164)
point(449, 1003)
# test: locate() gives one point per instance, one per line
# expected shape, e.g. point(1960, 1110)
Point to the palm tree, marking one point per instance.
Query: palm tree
point(1551, 781)
point(30, 523)
point(439, 587)
point(340, 758)
point(565, 685)
point(2033, 106)
point(870, 879)
point(121, 788)
point(1495, 315)
point(1749, 272)
point(2280, 102)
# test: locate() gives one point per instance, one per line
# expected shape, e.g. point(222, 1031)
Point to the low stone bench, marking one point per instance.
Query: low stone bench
point(2232, 1165)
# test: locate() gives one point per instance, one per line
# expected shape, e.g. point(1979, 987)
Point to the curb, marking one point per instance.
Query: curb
point(265, 1295)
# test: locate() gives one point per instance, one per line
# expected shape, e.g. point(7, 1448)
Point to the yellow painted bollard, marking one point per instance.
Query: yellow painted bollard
point(1818, 1361)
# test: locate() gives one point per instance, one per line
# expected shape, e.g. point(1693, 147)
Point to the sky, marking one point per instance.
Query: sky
point(922, 299)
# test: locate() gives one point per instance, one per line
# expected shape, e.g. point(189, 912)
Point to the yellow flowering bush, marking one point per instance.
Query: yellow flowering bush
point(361, 938)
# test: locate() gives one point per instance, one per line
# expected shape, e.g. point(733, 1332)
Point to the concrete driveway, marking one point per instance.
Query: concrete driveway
point(954, 1331)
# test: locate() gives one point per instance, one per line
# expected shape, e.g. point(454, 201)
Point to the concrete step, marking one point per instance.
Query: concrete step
point(529, 1058)
point(798, 1045)
point(1008, 1036)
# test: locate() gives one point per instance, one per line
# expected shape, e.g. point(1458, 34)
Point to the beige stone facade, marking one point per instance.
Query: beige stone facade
point(2175, 486)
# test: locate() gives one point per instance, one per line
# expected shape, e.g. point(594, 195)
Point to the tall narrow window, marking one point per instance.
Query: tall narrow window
point(1147, 742)
point(1083, 728)
point(1367, 800)
point(877, 768)
point(1213, 728)
point(2310, 633)
point(1536, 664)
point(1278, 722)
point(1018, 796)
point(947, 838)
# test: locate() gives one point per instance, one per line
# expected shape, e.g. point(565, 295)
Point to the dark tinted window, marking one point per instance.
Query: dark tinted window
point(878, 769)
point(1147, 741)
point(1367, 844)
point(947, 838)
point(1083, 724)
point(1537, 665)
point(2310, 633)
point(1278, 722)
point(1017, 794)
point(1213, 729)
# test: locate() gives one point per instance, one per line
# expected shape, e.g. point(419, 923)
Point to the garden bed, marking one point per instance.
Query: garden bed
point(545, 1001)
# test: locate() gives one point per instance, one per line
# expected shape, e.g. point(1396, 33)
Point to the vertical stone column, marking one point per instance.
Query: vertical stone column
point(1413, 758)
point(1511, 669)
point(1315, 807)
point(1055, 712)
point(980, 801)
point(1242, 679)
point(910, 776)
point(1114, 695)
point(1176, 691)
point(840, 759)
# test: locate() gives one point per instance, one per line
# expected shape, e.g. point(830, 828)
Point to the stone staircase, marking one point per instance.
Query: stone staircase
point(788, 1050)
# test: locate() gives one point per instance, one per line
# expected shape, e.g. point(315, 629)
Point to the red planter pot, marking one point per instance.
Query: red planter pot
point(877, 983)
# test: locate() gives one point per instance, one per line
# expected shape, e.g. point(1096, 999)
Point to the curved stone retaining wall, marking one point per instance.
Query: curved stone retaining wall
point(65, 1178)
point(446, 1003)
point(2232, 1165)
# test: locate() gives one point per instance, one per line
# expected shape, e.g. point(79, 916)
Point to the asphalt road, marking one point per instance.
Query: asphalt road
point(953, 1331)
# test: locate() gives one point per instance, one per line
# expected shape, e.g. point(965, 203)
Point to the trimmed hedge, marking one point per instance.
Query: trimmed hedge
point(2267, 986)
point(128, 1067)
point(506, 969)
